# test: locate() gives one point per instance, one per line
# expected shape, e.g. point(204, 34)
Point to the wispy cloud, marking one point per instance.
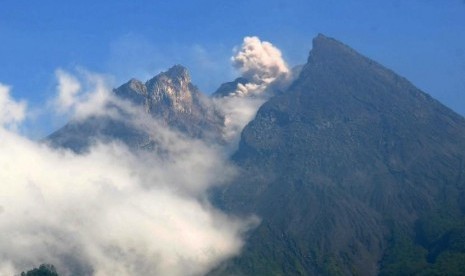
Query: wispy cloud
point(12, 112)
point(81, 97)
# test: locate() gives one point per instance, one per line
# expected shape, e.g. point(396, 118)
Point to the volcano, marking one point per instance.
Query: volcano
point(353, 171)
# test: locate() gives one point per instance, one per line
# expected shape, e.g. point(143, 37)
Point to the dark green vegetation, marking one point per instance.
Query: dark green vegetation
point(43, 270)
point(354, 171)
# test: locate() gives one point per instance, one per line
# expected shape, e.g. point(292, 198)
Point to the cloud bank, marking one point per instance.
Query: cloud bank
point(110, 211)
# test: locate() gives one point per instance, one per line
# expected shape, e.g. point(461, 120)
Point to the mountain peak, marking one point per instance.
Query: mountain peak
point(173, 85)
point(179, 73)
point(330, 57)
point(325, 47)
point(322, 39)
point(349, 150)
point(136, 85)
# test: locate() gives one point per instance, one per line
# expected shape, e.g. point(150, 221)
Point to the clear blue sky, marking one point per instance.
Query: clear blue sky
point(423, 40)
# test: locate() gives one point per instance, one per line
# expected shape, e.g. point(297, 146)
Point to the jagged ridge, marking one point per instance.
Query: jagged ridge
point(169, 97)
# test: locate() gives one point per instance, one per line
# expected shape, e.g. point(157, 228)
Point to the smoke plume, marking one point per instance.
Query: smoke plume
point(263, 66)
point(259, 62)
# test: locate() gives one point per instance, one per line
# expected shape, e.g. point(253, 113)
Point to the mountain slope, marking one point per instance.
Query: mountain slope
point(350, 167)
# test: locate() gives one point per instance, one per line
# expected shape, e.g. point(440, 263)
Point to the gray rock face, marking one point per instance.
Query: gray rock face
point(169, 97)
point(343, 168)
point(172, 90)
point(134, 90)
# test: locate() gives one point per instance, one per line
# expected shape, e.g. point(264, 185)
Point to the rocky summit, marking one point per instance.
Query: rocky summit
point(169, 97)
point(353, 171)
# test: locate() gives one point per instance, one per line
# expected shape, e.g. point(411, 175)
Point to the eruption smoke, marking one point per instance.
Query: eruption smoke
point(263, 66)
point(259, 62)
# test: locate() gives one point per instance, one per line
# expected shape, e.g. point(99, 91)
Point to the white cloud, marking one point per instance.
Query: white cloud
point(82, 97)
point(112, 211)
point(68, 88)
point(11, 112)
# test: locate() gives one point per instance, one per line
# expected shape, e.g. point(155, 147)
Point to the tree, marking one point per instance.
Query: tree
point(43, 270)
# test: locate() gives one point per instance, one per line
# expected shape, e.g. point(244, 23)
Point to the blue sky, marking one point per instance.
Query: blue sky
point(423, 40)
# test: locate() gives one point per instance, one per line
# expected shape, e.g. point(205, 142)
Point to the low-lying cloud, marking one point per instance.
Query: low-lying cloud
point(111, 211)
point(116, 211)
